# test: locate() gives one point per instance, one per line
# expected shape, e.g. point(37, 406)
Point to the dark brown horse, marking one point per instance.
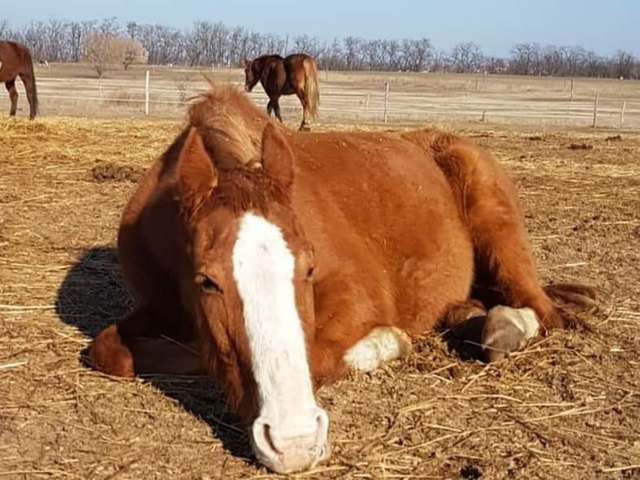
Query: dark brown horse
point(296, 73)
point(15, 60)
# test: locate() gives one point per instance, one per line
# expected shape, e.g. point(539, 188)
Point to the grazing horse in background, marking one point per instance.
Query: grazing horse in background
point(296, 73)
point(280, 260)
point(15, 60)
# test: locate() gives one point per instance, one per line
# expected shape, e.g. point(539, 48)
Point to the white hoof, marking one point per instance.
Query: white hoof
point(381, 345)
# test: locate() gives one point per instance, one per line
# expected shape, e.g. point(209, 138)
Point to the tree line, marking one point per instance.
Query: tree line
point(216, 44)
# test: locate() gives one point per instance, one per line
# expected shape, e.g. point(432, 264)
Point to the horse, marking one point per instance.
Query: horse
point(297, 73)
point(276, 261)
point(15, 60)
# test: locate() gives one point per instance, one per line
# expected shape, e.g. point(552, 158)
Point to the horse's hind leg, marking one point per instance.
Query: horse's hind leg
point(304, 126)
point(30, 88)
point(495, 333)
point(13, 96)
point(488, 204)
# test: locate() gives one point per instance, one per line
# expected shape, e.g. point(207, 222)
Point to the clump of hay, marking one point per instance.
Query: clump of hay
point(580, 146)
point(111, 172)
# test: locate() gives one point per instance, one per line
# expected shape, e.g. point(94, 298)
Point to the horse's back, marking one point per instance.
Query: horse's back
point(15, 51)
point(399, 178)
point(379, 204)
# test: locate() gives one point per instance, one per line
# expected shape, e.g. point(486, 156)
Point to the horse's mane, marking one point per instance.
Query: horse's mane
point(230, 125)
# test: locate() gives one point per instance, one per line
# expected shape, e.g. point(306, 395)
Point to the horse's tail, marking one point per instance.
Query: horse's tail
point(28, 60)
point(36, 108)
point(311, 89)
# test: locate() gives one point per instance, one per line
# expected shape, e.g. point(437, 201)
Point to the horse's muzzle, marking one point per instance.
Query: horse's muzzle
point(285, 450)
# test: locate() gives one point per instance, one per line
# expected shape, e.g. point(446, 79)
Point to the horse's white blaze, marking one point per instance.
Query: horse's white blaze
point(263, 268)
point(380, 345)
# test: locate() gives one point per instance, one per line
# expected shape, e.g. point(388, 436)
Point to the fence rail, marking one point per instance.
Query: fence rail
point(346, 101)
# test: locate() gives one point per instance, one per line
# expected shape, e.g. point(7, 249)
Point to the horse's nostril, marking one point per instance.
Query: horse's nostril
point(290, 447)
point(265, 439)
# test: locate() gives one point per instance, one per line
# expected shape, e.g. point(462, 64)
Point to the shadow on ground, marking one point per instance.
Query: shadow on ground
point(93, 295)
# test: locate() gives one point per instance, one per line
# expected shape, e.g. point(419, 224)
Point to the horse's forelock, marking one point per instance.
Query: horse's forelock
point(231, 126)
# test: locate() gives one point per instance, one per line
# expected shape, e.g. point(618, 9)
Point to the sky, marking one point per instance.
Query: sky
point(495, 25)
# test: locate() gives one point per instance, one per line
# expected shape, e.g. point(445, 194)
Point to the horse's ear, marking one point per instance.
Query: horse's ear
point(197, 176)
point(277, 157)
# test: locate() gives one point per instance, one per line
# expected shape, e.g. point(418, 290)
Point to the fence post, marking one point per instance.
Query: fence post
point(624, 105)
point(595, 110)
point(366, 103)
point(571, 90)
point(386, 100)
point(484, 116)
point(146, 94)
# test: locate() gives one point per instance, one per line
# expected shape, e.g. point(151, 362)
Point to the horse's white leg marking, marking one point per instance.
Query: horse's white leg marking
point(508, 329)
point(380, 345)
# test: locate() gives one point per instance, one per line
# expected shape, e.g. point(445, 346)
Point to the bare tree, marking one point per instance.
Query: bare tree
point(132, 52)
point(132, 30)
point(525, 59)
point(5, 29)
point(623, 64)
point(417, 55)
point(103, 51)
point(466, 57)
point(207, 43)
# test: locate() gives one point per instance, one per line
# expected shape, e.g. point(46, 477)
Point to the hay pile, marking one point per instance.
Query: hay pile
point(566, 407)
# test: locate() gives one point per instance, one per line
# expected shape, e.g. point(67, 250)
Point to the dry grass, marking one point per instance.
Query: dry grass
point(566, 407)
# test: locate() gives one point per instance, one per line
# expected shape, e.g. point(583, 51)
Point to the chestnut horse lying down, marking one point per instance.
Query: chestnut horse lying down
point(285, 259)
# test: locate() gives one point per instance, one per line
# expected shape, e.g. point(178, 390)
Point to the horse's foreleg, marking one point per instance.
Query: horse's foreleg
point(349, 333)
point(127, 349)
point(13, 96)
point(276, 108)
point(110, 353)
point(270, 107)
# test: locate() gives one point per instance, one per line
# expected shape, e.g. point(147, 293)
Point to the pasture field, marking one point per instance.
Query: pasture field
point(566, 407)
point(73, 89)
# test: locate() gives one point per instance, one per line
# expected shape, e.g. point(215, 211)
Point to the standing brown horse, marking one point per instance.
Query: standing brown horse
point(15, 60)
point(296, 73)
point(285, 259)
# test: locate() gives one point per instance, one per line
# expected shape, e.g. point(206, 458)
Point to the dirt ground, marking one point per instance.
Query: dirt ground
point(566, 407)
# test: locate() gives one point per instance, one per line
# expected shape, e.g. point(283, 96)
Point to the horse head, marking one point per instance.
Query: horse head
point(250, 76)
point(250, 287)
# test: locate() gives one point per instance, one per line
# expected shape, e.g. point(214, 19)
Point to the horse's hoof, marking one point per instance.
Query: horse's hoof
point(507, 330)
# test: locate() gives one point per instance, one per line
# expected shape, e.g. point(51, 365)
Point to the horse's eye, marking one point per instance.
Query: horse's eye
point(207, 285)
